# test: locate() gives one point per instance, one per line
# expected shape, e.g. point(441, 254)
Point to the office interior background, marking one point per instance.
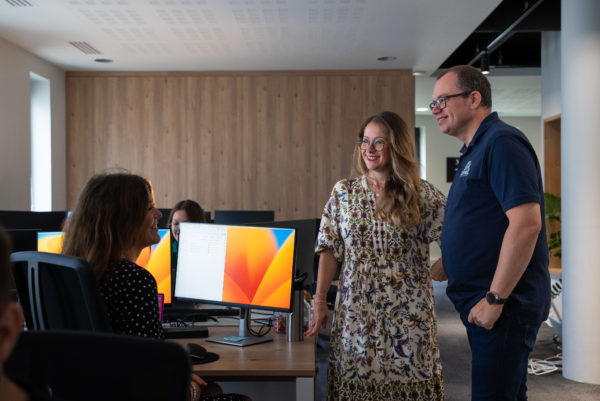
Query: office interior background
point(255, 104)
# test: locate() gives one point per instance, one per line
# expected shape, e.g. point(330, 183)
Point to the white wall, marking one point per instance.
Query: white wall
point(550, 74)
point(15, 149)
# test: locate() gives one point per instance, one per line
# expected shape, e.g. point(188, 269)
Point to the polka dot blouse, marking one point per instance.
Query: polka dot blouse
point(131, 300)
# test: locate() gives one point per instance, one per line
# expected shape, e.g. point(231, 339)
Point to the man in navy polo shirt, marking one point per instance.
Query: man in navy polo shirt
point(494, 248)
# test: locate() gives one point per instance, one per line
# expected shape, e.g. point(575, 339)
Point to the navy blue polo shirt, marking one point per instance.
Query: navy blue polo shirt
point(497, 171)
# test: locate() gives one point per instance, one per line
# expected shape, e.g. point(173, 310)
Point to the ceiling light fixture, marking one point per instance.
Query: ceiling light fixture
point(422, 109)
point(417, 73)
point(485, 63)
point(386, 58)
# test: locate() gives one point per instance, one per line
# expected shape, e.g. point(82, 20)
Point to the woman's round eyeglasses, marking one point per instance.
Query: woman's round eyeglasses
point(365, 144)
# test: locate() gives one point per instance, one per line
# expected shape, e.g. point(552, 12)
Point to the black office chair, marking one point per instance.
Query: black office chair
point(58, 292)
point(99, 366)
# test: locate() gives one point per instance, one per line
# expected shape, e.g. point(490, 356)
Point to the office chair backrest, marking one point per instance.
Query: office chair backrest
point(58, 292)
point(99, 366)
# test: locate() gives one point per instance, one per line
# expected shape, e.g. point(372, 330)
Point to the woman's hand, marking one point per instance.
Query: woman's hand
point(320, 313)
point(437, 271)
point(196, 379)
point(320, 316)
point(195, 387)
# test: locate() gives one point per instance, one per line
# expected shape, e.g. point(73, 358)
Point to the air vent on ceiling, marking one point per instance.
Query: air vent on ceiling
point(19, 3)
point(85, 47)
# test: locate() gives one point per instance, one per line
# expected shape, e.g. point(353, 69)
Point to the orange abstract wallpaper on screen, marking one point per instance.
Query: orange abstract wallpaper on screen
point(157, 260)
point(260, 272)
point(50, 241)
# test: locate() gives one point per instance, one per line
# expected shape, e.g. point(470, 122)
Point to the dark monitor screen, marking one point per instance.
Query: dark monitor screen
point(47, 221)
point(155, 258)
point(230, 217)
point(249, 267)
point(162, 222)
point(23, 240)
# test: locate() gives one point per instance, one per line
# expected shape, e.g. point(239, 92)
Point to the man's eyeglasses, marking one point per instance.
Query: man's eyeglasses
point(440, 102)
point(378, 144)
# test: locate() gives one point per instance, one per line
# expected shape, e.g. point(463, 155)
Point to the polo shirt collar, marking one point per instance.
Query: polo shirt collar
point(483, 127)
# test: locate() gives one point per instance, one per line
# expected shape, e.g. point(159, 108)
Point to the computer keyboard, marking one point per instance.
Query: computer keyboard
point(186, 332)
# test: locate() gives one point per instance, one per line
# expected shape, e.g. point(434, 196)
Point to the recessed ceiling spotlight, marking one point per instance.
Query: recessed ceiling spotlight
point(103, 60)
point(418, 73)
point(386, 58)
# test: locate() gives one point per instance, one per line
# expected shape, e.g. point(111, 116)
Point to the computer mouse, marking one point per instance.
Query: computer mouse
point(196, 352)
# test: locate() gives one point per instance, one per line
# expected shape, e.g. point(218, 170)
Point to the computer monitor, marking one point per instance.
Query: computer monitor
point(50, 241)
point(243, 266)
point(243, 216)
point(306, 237)
point(23, 239)
point(21, 219)
point(155, 258)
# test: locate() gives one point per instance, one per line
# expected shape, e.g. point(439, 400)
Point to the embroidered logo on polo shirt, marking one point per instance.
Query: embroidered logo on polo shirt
point(465, 171)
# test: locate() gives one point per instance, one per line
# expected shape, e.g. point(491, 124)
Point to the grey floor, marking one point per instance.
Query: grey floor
point(456, 362)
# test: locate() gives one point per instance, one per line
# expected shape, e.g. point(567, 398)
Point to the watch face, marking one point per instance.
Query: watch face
point(494, 299)
point(491, 298)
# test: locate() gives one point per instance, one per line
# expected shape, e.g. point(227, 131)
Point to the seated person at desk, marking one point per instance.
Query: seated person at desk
point(184, 211)
point(115, 218)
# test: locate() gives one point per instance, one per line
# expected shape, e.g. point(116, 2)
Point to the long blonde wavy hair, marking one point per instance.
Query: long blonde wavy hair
point(400, 203)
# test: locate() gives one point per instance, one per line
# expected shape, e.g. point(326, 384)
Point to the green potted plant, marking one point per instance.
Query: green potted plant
point(552, 210)
point(552, 214)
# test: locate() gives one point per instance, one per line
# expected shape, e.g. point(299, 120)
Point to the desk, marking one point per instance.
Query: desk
point(276, 360)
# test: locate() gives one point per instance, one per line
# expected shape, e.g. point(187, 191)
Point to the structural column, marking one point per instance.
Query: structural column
point(580, 182)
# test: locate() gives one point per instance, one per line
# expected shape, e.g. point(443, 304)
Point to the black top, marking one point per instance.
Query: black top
point(131, 299)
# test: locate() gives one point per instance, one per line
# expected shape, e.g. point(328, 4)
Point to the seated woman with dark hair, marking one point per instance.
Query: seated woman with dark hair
point(184, 211)
point(115, 218)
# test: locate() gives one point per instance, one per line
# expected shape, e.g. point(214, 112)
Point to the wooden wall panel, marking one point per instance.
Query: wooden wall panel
point(552, 174)
point(231, 140)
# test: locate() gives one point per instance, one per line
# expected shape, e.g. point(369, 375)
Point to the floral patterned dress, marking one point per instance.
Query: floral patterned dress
point(384, 335)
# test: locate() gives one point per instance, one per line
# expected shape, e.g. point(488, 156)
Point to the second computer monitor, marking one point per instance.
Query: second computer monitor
point(155, 258)
point(243, 216)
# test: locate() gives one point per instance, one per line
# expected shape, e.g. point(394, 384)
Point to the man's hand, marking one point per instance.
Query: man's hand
point(484, 315)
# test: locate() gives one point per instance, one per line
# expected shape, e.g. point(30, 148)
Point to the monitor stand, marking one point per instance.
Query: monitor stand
point(243, 337)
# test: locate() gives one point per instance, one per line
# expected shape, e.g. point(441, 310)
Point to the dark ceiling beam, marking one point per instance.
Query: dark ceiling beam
point(506, 34)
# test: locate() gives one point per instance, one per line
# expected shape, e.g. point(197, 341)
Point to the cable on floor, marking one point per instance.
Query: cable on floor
point(540, 367)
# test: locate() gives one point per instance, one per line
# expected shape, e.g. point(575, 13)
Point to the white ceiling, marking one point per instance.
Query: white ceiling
point(249, 35)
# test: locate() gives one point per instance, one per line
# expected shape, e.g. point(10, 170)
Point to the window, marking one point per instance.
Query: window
point(41, 144)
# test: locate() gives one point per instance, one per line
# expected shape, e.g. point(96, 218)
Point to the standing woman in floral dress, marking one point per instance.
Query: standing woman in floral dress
point(379, 226)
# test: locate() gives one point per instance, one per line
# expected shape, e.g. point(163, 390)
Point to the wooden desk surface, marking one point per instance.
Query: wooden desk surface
point(274, 358)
